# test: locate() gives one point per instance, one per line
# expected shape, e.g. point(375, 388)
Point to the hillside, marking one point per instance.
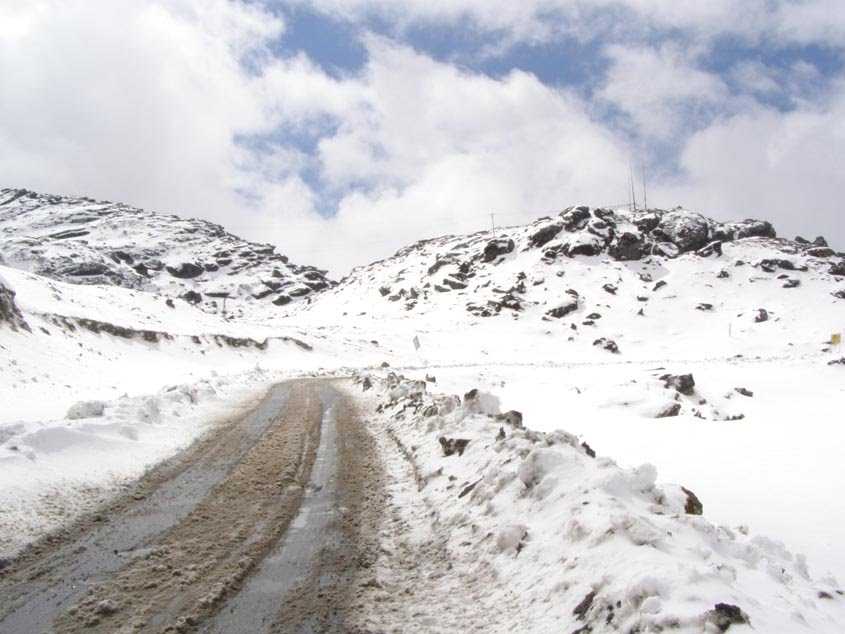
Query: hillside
point(83, 241)
point(593, 349)
point(643, 285)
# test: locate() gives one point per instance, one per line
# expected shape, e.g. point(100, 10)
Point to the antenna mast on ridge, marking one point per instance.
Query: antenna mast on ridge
point(645, 196)
point(631, 181)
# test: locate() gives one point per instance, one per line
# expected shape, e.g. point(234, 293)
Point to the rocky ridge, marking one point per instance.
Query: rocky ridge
point(84, 241)
point(472, 265)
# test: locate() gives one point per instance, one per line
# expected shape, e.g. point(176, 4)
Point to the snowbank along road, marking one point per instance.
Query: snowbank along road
point(256, 527)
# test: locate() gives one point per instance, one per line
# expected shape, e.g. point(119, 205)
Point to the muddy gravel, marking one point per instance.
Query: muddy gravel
point(260, 526)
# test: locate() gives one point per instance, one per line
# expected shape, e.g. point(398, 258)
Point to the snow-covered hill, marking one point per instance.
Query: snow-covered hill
point(84, 241)
point(99, 383)
point(644, 285)
point(664, 336)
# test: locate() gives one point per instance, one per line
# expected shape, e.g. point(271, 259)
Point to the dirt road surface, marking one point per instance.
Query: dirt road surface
point(259, 527)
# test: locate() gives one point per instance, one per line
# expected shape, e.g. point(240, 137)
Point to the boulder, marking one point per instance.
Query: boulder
point(575, 218)
point(838, 269)
point(122, 256)
point(723, 615)
point(688, 231)
point(512, 418)
point(669, 411)
point(479, 402)
point(753, 229)
point(496, 248)
point(714, 248)
point(761, 316)
point(771, 264)
point(545, 234)
point(693, 505)
point(684, 383)
point(563, 309)
point(86, 269)
point(9, 312)
point(186, 270)
point(451, 446)
point(86, 409)
point(608, 344)
point(454, 284)
point(627, 247)
point(192, 297)
point(648, 221)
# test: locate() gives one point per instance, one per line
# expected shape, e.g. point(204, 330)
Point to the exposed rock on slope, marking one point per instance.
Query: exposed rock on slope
point(83, 241)
point(9, 313)
point(509, 270)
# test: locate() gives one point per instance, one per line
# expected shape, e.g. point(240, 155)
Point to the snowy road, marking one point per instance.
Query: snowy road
point(259, 524)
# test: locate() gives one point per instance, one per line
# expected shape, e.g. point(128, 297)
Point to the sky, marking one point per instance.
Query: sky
point(342, 130)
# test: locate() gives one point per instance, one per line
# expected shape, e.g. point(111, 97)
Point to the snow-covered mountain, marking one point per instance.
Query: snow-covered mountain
point(536, 269)
point(653, 336)
point(83, 241)
point(644, 285)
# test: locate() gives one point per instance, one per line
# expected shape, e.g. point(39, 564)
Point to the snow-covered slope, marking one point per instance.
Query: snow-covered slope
point(550, 536)
point(98, 383)
point(711, 340)
point(84, 241)
point(643, 285)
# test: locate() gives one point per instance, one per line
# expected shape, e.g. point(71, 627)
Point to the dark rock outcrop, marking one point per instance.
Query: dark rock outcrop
point(496, 248)
point(186, 270)
point(683, 383)
point(10, 314)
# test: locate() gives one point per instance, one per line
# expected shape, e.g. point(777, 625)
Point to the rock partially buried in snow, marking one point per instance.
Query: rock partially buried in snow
point(86, 409)
point(452, 446)
point(512, 418)
point(9, 311)
point(563, 309)
point(608, 344)
point(723, 615)
point(669, 411)
point(684, 383)
point(511, 538)
point(479, 402)
point(693, 505)
point(496, 248)
point(186, 270)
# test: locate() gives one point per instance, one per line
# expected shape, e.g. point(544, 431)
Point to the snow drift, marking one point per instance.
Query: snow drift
point(576, 543)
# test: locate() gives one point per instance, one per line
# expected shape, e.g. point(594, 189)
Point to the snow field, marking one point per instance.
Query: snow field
point(578, 541)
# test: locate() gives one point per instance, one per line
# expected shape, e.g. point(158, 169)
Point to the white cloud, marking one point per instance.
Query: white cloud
point(150, 103)
point(785, 167)
point(661, 89)
point(821, 21)
point(145, 103)
point(127, 100)
point(434, 149)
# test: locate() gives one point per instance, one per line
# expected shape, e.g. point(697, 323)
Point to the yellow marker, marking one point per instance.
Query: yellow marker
point(836, 339)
